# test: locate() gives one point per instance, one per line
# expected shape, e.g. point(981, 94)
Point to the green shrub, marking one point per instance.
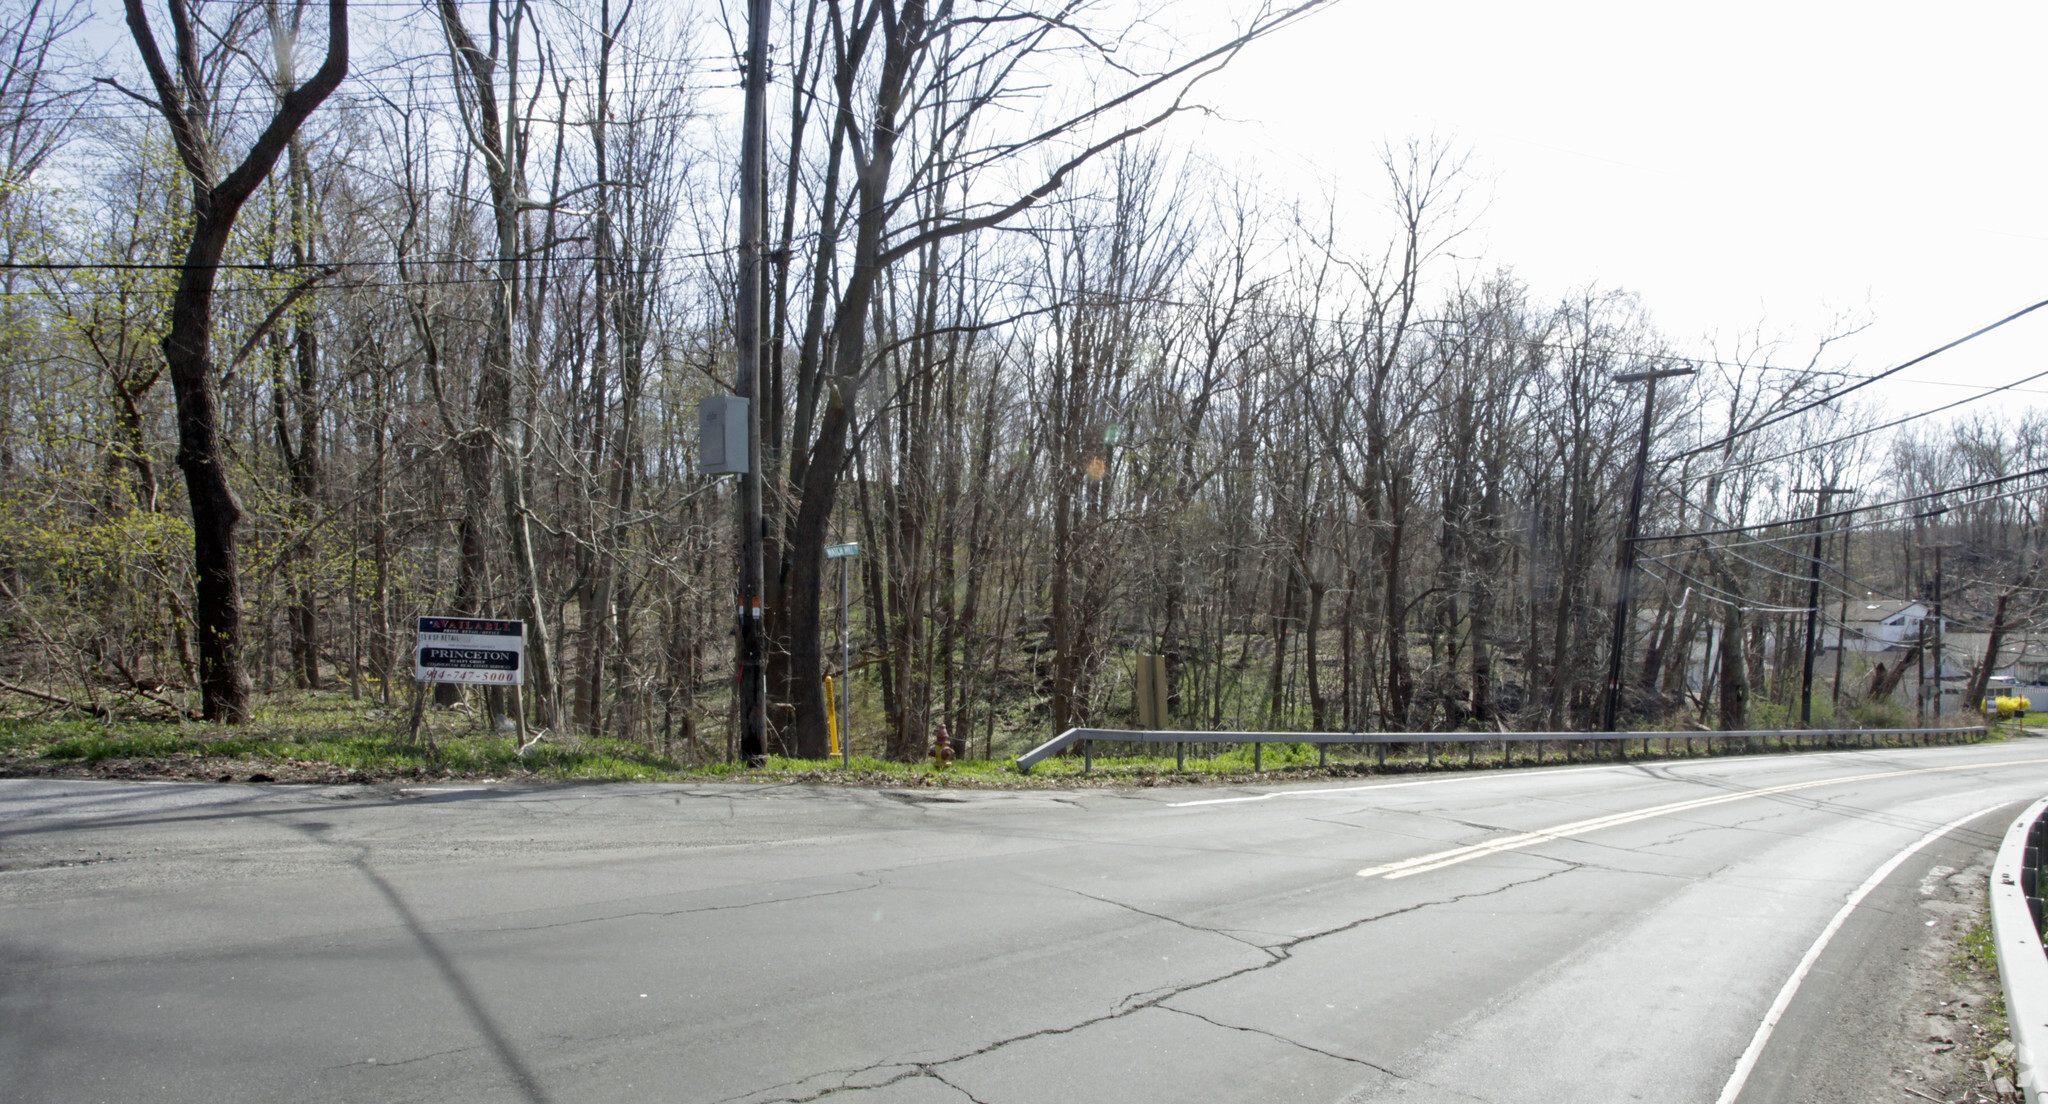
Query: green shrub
point(1879, 713)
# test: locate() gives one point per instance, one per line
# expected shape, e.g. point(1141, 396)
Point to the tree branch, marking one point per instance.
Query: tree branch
point(277, 312)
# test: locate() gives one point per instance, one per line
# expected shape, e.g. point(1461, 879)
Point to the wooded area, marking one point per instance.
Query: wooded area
point(1078, 392)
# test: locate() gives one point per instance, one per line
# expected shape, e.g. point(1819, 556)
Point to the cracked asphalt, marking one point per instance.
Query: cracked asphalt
point(759, 944)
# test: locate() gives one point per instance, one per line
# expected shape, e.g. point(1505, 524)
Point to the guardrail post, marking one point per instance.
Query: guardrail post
point(1258, 758)
point(1087, 756)
point(1180, 756)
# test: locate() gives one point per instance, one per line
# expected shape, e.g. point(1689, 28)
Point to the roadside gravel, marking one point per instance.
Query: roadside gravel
point(1949, 1042)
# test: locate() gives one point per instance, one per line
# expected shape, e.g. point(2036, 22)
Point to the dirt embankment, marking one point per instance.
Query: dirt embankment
point(1950, 1041)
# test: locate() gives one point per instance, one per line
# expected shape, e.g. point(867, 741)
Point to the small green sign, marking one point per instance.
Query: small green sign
point(841, 551)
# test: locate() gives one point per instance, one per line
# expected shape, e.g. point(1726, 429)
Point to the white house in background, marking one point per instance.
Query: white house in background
point(1879, 625)
point(2022, 655)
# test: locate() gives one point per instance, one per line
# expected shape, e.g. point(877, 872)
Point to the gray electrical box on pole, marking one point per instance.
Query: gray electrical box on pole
point(722, 435)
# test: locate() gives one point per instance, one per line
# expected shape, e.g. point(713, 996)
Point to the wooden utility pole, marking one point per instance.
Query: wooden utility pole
point(749, 639)
point(1920, 668)
point(1937, 550)
point(1939, 703)
point(1813, 597)
point(1841, 633)
point(1625, 566)
point(1916, 588)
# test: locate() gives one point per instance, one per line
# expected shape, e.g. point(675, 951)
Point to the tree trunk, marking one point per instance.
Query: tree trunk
point(216, 511)
point(1884, 682)
point(185, 103)
point(1980, 679)
point(1311, 640)
point(1734, 696)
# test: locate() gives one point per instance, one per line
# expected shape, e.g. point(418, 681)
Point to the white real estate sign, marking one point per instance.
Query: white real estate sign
point(470, 649)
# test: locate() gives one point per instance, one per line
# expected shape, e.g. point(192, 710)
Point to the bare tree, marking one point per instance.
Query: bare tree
point(186, 98)
point(933, 71)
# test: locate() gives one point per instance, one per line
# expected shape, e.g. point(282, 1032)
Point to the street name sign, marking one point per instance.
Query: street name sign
point(472, 650)
point(841, 551)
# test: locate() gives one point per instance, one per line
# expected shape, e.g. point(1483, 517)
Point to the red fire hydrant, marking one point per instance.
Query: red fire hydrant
point(942, 748)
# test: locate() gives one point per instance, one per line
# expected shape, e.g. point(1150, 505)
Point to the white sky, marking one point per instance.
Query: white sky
point(1744, 166)
point(1741, 165)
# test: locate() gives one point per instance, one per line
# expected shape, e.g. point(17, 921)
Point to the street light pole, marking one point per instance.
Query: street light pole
point(1625, 566)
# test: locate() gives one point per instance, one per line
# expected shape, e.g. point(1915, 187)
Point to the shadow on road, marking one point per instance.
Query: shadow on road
point(215, 801)
point(458, 985)
point(26, 1014)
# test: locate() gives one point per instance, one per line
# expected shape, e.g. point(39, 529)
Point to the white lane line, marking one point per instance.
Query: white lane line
point(1422, 864)
point(1757, 1042)
point(1491, 777)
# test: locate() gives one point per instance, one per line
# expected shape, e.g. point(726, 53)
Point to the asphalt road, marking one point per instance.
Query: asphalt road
point(1570, 934)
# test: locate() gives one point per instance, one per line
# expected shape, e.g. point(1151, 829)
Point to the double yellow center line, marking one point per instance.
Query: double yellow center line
point(1423, 864)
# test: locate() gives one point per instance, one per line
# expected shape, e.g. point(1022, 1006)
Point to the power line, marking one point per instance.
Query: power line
point(1708, 591)
point(1760, 566)
point(1859, 385)
point(1847, 437)
point(1853, 510)
point(1443, 328)
point(1867, 588)
point(1865, 585)
point(316, 265)
point(1874, 523)
point(999, 281)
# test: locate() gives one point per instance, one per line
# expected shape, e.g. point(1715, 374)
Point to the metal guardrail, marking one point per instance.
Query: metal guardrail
point(1087, 738)
point(2016, 930)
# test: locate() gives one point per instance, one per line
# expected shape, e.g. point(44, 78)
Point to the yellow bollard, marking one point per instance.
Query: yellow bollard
point(831, 714)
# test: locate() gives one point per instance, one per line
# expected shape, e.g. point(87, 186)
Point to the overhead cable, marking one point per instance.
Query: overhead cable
point(1853, 510)
point(1859, 385)
point(1894, 424)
